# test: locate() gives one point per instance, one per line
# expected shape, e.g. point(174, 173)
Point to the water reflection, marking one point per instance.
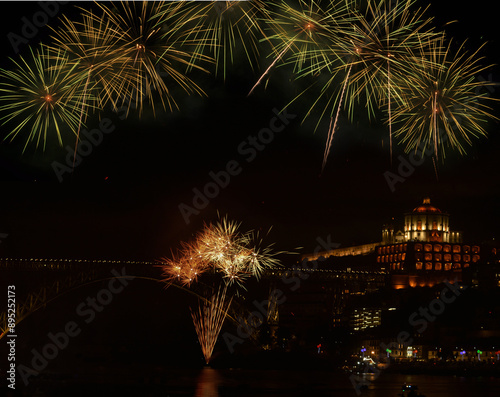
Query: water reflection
point(275, 383)
point(207, 383)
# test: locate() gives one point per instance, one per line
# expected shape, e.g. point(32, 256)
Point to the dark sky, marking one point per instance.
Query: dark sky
point(122, 201)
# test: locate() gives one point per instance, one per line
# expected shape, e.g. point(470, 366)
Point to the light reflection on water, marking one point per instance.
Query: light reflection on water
point(207, 384)
point(221, 383)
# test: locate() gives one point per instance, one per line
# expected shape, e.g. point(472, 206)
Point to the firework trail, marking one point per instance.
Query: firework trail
point(332, 129)
point(269, 68)
point(208, 320)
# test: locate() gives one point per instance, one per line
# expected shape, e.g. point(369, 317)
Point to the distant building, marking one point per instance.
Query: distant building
point(365, 318)
point(425, 223)
point(426, 252)
point(424, 264)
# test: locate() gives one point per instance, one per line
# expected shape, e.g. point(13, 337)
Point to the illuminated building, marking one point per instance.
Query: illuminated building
point(426, 252)
point(414, 264)
point(429, 253)
point(365, 318)
point(424, 223)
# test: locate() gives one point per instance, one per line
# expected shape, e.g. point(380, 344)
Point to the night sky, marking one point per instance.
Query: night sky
point(122, 201)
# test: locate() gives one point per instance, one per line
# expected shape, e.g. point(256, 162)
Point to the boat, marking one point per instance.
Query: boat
point(411, 391)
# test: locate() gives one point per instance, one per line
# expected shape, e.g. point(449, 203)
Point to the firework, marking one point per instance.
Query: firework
point(444, 104)
point(381, 47)
point(92, 46)
point(208, 320)
point(236, 255)
point(40, 96)
point(223, 249)
point(355, 50)
point(311, 29)
point(151, 52)
point(260, 257)
point(185, 267)
point(220, 28)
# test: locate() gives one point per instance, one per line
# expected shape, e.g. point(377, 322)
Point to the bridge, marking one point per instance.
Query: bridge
point(315, 291)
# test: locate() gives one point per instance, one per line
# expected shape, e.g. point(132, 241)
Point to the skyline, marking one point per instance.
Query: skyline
point(123, 200)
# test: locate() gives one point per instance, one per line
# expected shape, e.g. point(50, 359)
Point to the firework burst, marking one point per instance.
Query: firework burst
point(311, 30)
point(93, 49)
point(301, 32)
point(151, 51)
point(223, 249)
point(444, 104)
point(220, 28)
point(185, 267)
point(381, 47)
point(354, 52)
point(236, 255)
point(40, 96)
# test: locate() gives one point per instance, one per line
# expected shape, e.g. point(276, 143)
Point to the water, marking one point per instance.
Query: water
point(208, 382)
point(219, 383)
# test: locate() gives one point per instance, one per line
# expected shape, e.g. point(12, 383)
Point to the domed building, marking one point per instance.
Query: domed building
point(429, 224)
point(426, 252)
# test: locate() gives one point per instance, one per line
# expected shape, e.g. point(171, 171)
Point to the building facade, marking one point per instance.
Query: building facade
point(426, 252)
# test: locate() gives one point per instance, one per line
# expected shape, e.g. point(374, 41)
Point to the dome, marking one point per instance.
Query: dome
point(426, 207)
